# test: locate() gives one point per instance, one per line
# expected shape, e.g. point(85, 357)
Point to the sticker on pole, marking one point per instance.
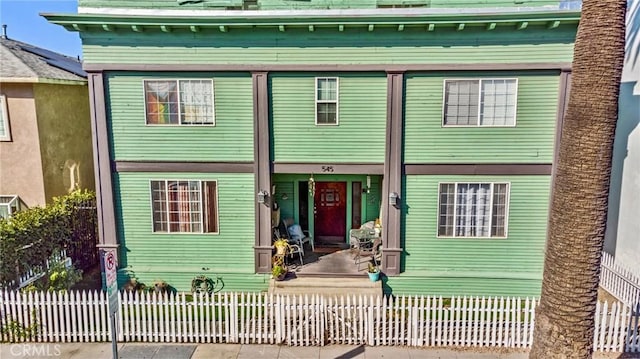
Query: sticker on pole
point(111, 276)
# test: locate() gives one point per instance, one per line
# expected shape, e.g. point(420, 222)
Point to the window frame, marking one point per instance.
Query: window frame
point(455, 202)
point(336, 101)
point(202, 207)
point(180, 124)
point(12, 199)
point(479, 79)
point(4, 121)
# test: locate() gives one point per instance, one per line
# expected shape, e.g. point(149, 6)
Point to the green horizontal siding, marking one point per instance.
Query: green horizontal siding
point(230, 282)
point(373, 199)
point(478, 266)
point(530, 141)
point(287, 206)
point(231, 139)
point(160, 4)
point(454, 286)
point(177, 258)
point(328, 46)
point(360, 135)
point(310, 4)
point(316, 4)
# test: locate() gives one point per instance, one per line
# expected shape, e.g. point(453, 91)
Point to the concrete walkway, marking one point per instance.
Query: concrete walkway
point(238, 351)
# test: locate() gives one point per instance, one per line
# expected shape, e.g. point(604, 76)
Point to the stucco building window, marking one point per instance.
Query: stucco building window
point(5, 135)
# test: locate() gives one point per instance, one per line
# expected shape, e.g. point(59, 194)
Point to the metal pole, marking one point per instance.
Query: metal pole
point(114, 336)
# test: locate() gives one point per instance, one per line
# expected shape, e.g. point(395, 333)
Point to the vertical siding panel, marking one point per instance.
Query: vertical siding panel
point(231, 139)
point(530, 141)
point(475, 266)
point(362, 110)
point(153, 255)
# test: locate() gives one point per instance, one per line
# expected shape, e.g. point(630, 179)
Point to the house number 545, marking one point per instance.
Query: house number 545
point(327, 168)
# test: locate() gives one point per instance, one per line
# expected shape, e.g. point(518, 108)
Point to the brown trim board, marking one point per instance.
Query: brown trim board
point(197, 167)
point(329, 168)
point(563, 102)
point(392, 183)
point(102, 165)
point(262, 171)
point(478, 169)
point(391, 68)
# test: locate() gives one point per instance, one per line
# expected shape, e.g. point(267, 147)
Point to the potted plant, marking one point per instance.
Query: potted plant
point(278, 271)
point(282, 246)
point(278, 267)
point(374, 272)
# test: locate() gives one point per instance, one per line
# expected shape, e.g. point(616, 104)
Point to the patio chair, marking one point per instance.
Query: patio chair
point(296, 249)
point(287, 229)
point(366, 249)
point(357, 236)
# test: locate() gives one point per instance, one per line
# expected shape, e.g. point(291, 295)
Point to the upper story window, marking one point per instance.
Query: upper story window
point(5, 135)
point(481, 102)
point(184, 206)
point(179, 102)
point(473, 210)
point(326, 101)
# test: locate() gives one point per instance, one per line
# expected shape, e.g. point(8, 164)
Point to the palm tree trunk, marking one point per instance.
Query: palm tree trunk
point(565, 317)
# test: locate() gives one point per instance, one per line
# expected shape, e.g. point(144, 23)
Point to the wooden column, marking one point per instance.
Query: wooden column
point(102, 165)
point(262, 171)
point(392, 182)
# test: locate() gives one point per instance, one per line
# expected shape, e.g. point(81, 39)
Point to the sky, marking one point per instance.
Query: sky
point(25, 24)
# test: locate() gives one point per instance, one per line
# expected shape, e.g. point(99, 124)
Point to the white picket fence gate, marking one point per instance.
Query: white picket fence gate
point(256, 318)
point(619, 281)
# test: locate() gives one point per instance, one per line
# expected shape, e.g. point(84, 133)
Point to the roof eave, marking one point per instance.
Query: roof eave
point(84, 22)
point(41, 80)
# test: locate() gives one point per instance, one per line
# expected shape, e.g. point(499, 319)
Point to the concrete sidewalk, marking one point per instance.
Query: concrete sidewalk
point(241, 351)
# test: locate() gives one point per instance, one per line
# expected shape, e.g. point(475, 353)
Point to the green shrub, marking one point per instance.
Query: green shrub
point(29, 237)
point(58, 278)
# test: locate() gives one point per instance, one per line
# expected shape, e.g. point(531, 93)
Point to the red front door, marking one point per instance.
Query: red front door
point(330, 215)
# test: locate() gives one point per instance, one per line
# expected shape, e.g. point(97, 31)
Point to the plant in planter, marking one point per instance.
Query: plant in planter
point(282, 246)
point(374, 272)
point(278, 267)
point(278, 271)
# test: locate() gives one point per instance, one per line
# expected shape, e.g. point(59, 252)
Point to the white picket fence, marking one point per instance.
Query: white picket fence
point(619, 281)
point(256, 318)
point(39, 271)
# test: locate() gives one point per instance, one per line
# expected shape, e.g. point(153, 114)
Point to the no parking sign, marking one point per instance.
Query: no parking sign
point(111, 276)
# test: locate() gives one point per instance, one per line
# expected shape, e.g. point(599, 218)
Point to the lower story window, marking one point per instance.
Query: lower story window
point(184, 206)
point(473, 209)
point(10, 205)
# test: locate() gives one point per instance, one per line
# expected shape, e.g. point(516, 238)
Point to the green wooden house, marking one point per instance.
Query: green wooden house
point(438, 117)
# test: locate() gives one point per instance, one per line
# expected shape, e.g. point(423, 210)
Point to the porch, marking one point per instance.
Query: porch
point(327, 271)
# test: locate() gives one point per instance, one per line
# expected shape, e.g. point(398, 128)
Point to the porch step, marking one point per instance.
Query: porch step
point(326, 286)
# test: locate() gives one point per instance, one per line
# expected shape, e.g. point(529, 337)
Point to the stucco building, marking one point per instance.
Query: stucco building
point(45, 128)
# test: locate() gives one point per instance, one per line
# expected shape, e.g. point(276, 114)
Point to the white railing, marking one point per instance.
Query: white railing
point(619, 281)
point(39, 271)
point(256, 318)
